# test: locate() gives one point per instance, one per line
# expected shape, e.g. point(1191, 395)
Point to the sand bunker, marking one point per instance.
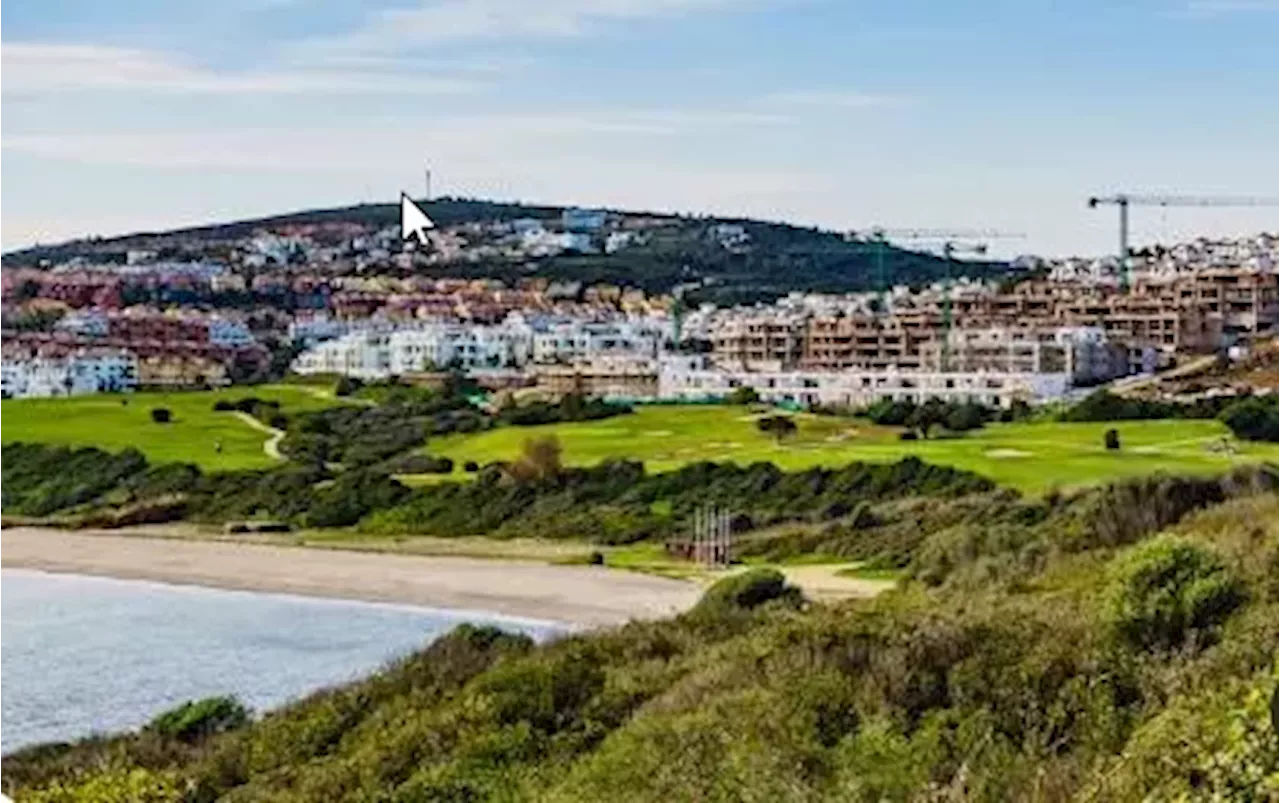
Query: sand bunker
point(1001, 454)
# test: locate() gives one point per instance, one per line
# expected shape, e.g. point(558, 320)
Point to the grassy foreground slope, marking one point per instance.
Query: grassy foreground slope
point(1027, 456)
point(1116, 646)
point(117, 421)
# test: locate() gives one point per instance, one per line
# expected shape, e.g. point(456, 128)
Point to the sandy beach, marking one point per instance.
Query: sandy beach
point(581, 595)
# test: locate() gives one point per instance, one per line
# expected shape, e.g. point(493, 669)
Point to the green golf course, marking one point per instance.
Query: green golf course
point(1032, 457)
point(194, 435)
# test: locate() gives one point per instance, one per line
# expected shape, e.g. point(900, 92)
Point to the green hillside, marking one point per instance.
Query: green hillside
point(780, 259)
point(218, 441)
point(1115, 646)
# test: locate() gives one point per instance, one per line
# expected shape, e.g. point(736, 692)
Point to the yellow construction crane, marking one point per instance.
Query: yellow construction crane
point(1123, 201)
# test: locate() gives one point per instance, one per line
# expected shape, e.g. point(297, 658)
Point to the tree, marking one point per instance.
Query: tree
point(779, 426)
point(539, 460)
point(743, 395)
point(928, 415)
point(161, 415)
point(1112, 440)
point(1255, 419)
point(966, 416)
point(347, 385)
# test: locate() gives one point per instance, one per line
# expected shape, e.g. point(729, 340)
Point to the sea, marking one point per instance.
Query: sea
point(82, 655)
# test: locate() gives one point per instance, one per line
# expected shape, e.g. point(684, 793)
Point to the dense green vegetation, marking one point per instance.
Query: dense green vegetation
point(1115, 645)
point(535, 495)
point(1103, 405)
point(618, 502)
point(1254, 419)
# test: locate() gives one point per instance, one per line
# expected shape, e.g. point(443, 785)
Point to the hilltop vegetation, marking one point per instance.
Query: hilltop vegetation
point(1113, 646)
point(782, 257)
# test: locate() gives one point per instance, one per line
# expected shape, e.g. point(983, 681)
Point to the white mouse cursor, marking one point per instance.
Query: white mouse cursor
point(413, 220)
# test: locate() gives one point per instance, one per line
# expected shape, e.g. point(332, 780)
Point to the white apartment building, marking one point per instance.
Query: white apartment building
point(694, 379)
point(574, 341)
point(1081, 352)
point(511, 344)
point(87, 370)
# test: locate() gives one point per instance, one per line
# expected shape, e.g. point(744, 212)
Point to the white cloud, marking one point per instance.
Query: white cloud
point(31, 68)
point(438, 21)
point(497, 138)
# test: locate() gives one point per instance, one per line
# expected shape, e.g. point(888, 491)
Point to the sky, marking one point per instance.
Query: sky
point(997, 115)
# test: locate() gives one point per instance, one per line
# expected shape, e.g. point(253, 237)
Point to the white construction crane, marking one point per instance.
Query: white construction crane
point(1124, 200)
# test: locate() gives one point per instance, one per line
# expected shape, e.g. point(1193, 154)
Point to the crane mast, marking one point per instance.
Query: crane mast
point(951, 245)
point(1122, 201)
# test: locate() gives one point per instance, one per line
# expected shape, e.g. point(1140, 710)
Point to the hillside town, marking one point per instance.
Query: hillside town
point(349, 298)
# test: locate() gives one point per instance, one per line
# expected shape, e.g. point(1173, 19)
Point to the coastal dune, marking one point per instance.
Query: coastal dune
point(579, 595)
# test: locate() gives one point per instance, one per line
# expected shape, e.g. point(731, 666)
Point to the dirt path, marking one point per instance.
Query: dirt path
point(821, 583)
point(582, 595)
point(272, 444)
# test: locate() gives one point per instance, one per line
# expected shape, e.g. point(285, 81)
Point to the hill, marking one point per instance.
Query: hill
point(779, 257)
point(1118, 645)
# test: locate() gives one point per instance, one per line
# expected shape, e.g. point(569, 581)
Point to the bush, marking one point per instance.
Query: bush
point(779, 426)
point(748, 590)
point(596, 559)
point(198, 719)
point(223, 406)
point(909, 435)
point(539, 460)
point(471, 466)
point(967, 416)
point(1254, 419)
point(161, 415)
point(1168, 591)
point(419, 464)
point(1111, 439)
point(346, 386)
point(743, 395)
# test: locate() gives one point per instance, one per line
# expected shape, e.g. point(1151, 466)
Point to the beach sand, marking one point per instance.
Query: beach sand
point(579, 595)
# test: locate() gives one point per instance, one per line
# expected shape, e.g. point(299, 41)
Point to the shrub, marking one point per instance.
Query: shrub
point(223, 406)
point(197, 719)
point(1254, 419)
point(347, 385)
point(743, 395)
point(539, 460)
point(967, 416)
point(596, 559)
point(779, 426)
point(161, 415)
point(1112, 440)
point(748, 590)
point(909, 435)
point(419, 464)
point(1167, 591)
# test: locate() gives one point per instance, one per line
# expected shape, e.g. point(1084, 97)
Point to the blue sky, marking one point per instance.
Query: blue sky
point(120, 116)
